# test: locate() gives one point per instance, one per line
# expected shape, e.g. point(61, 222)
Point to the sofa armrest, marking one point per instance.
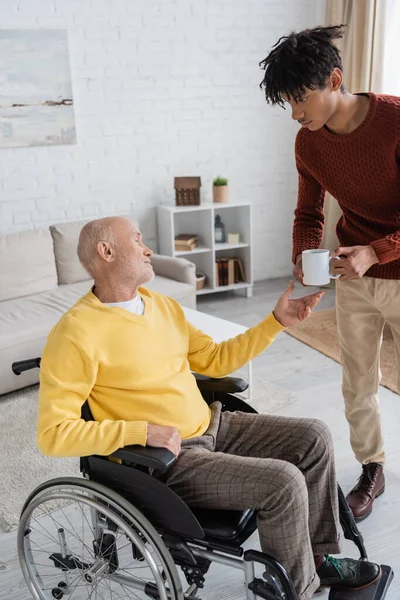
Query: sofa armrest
point(175, 268)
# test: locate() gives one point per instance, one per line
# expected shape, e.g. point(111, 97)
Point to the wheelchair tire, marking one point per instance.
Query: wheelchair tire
point(73, 536)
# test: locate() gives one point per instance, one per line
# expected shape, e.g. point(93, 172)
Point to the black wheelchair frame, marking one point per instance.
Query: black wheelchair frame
point(196, 538)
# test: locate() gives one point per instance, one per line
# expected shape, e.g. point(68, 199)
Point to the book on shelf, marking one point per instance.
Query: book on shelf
point(186, 238)
point(221, 272)
point(228, 271)
point(240, 268)
point(183, 247)
point(185, 241)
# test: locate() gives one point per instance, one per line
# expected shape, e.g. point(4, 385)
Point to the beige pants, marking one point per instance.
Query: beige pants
point(362, 307)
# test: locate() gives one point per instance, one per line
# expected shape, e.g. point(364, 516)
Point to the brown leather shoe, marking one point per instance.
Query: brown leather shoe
point(370, 485)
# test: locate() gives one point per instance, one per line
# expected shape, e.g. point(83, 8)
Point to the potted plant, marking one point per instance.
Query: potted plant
point(220, 189)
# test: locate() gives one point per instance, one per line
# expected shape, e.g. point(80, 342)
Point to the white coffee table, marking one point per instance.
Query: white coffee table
point(219, 330)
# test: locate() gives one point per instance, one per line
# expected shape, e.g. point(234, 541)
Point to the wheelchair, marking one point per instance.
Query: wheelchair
point(121, 533)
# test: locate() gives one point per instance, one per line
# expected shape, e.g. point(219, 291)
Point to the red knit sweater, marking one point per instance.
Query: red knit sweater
point(361, 170)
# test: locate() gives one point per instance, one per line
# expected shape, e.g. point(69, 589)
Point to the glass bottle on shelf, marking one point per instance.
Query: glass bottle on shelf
point(219, 228)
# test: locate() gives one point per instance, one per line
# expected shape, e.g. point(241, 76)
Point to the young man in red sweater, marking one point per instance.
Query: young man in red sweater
point(348, 145)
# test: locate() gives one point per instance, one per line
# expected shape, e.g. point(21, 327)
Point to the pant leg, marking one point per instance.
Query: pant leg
point(305, 443)
point(388, 294)
point(275, 488)
point(360, 326)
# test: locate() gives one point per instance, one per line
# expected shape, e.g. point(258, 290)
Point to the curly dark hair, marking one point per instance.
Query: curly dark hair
point(301, 61)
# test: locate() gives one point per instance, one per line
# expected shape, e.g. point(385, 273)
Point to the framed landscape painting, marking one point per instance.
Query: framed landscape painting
point(36, 103)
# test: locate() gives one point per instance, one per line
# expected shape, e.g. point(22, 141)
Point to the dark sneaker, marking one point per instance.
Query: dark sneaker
point(370, 485)
point(347, 573)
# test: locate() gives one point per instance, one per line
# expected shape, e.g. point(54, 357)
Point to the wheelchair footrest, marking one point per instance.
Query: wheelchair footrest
point(376, 591)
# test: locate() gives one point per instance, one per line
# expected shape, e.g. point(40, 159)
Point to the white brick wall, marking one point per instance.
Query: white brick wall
point(162, 88)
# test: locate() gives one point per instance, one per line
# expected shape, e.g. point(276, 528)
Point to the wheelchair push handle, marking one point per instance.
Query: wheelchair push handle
point(25, 365)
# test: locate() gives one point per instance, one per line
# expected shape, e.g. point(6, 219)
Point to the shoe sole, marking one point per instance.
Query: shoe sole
point(363, 517)
point(344, 587)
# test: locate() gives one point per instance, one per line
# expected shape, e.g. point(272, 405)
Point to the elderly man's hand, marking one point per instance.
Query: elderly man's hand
point(160, 436)
point(354, 261)
point(289, 312)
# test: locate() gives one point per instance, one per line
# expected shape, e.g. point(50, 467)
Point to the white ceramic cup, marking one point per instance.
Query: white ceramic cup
point(317, 267)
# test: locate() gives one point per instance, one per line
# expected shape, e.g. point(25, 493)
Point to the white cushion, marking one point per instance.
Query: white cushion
point(27, 263)
point(65, 237)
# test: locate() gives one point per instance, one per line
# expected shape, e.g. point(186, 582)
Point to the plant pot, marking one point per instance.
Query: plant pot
point(220, 193)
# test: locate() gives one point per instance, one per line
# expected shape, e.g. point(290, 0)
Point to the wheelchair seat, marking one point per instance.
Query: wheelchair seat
point(227, 525)
point(230, 527)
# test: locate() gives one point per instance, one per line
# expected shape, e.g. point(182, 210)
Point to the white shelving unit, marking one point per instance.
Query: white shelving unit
point(174, 220)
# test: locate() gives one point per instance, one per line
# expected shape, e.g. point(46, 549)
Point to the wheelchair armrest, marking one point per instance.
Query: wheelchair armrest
point(229, 385)
point(25, 365)
point(154, 458)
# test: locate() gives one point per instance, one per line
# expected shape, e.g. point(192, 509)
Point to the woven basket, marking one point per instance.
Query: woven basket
point(187, 191)
point(200, 280)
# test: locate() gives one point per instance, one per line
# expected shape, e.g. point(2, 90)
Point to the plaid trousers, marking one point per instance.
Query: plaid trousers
point(283, 467)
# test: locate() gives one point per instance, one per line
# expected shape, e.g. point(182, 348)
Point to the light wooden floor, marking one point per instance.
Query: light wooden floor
point(315, 380)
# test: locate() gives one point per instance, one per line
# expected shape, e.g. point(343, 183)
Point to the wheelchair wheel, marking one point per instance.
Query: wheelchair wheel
point(79, 539)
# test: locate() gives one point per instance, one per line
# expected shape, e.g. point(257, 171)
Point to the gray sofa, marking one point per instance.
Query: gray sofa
point(41, 278)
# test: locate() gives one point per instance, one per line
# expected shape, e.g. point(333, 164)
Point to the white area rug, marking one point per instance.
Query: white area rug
point(23, 467)
point(267, 398)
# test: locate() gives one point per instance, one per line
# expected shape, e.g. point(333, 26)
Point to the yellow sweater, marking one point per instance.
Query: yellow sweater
point(134, 370)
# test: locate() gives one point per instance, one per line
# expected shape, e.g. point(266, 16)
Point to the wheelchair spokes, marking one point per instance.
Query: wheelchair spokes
point(86, 549)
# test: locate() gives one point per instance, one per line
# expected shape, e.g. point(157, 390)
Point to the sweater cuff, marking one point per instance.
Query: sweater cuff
point(295, 253)
point(384, 250)
point(271, 327)
point(135, 433)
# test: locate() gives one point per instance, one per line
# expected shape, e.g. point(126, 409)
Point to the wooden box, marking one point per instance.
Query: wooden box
point(187, 191)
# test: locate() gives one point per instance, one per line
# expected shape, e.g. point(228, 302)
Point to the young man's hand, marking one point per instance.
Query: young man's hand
point(298, 269)
point(354, 261)
point(289, 312)
point(160, 436)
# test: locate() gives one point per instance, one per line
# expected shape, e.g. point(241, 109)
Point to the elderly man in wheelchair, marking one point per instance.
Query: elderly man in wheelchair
point(178, 471)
